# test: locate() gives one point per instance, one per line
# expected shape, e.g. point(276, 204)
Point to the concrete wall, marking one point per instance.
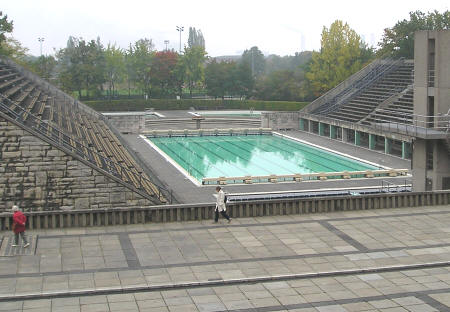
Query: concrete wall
point(38, 176)
point(440, 91)
point(280, 120)
point(128, 123)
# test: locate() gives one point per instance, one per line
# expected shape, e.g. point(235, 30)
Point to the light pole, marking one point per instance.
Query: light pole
point(180, 29)
point(41, 39)
point(166, 42)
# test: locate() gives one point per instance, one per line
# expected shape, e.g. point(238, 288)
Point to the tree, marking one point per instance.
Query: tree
point(194, 59)
point(114, 66)
point(82, 66)
point(44, 66)
point(196, 38)
point(255, 59)
point(14, 49)
point(163, 73)
point(243, 80)
point(398, 41)
point(141, 57)
point(280, 85)
point(342, 54)
point(5, 27)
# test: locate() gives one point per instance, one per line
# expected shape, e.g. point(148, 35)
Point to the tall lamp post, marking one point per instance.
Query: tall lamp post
point(41, 39)
point(166, 42)
point(180, 29)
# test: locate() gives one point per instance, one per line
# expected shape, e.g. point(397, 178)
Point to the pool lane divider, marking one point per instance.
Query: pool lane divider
point(331, 151)
point(218, 282)
point(171, 161)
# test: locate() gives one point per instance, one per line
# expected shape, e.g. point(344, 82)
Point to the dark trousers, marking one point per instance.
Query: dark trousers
point(16, 238)
point(223, 213)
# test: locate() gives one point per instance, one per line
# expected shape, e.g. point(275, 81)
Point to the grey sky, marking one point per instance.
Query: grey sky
point(229, 26)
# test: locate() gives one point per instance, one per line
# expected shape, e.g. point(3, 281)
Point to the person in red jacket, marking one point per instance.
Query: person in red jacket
point(19, 220)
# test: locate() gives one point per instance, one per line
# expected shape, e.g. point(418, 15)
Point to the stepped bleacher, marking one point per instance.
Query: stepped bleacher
point(388, 97)
point(70, 126)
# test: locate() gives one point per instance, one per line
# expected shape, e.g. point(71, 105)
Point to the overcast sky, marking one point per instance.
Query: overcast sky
point(229, 27)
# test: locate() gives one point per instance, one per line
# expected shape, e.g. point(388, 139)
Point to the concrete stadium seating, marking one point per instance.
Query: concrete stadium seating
point(391, 93)
point(63, 121)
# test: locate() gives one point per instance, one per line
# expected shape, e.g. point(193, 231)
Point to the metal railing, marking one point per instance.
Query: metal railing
point(412, 124)
point(63, 140)
point(358, 86)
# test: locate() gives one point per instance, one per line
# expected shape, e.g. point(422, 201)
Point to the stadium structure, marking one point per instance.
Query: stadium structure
point(58, 154)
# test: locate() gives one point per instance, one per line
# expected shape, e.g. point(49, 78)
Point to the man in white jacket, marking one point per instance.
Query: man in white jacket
point(220, 206)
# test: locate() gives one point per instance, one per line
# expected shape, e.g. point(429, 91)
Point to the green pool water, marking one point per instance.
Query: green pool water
point(254, 155)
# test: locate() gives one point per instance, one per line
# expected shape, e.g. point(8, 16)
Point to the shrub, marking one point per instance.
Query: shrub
point(185, 104)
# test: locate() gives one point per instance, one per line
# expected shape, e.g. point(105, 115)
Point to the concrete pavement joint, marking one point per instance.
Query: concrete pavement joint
point(128, 250)
point(349, 240)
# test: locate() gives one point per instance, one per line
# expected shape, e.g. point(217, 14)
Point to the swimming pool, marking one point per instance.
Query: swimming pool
point(251, 155)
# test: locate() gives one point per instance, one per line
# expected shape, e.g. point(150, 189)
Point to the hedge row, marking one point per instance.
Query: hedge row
point(168, 104)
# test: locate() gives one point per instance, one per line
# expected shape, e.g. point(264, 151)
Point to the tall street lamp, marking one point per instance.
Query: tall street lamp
point(41, 39)
point(180, 29)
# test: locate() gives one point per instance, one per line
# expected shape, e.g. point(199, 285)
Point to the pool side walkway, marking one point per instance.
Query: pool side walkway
point(373, 260)
point(186, 192)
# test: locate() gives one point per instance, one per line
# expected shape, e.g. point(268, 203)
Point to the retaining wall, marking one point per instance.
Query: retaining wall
point(37, 176)
point(190, 212)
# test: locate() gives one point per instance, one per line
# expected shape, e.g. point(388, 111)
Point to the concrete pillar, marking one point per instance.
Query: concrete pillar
point(372, 141)
point(332, 132)
point(357, 138)
point(387, 145)
point(321, 129)
point(405, 149)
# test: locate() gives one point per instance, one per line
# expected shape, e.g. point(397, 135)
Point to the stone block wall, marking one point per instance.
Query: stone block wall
point(37, 176)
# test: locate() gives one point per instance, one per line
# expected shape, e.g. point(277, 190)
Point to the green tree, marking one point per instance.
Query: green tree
point(69, 74)
point(243, 80)
point(14, 49)
point(196, 38)
point(82, 66)
point(342, 54)
point(5, 27)
point(194, 60)
point(280, 85)
point(44, 66)
point(140, 58)
point(398, 41)
point(114, 67)
point(255, 59)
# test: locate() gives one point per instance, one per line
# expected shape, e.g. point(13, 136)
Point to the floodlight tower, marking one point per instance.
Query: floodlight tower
point(166, 42)
point(41, 39)
point(180, 29)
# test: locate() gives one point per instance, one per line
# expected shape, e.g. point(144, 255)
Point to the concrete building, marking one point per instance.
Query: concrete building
point(431, 152)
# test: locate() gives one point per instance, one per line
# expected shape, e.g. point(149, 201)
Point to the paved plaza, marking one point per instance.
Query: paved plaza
point(373, 260)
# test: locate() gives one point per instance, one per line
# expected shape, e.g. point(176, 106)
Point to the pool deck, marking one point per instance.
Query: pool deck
point(186, 192)
point(372, 260)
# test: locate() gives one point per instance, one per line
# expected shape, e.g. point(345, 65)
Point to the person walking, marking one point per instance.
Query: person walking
point(220, 206)
point(19, 220)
